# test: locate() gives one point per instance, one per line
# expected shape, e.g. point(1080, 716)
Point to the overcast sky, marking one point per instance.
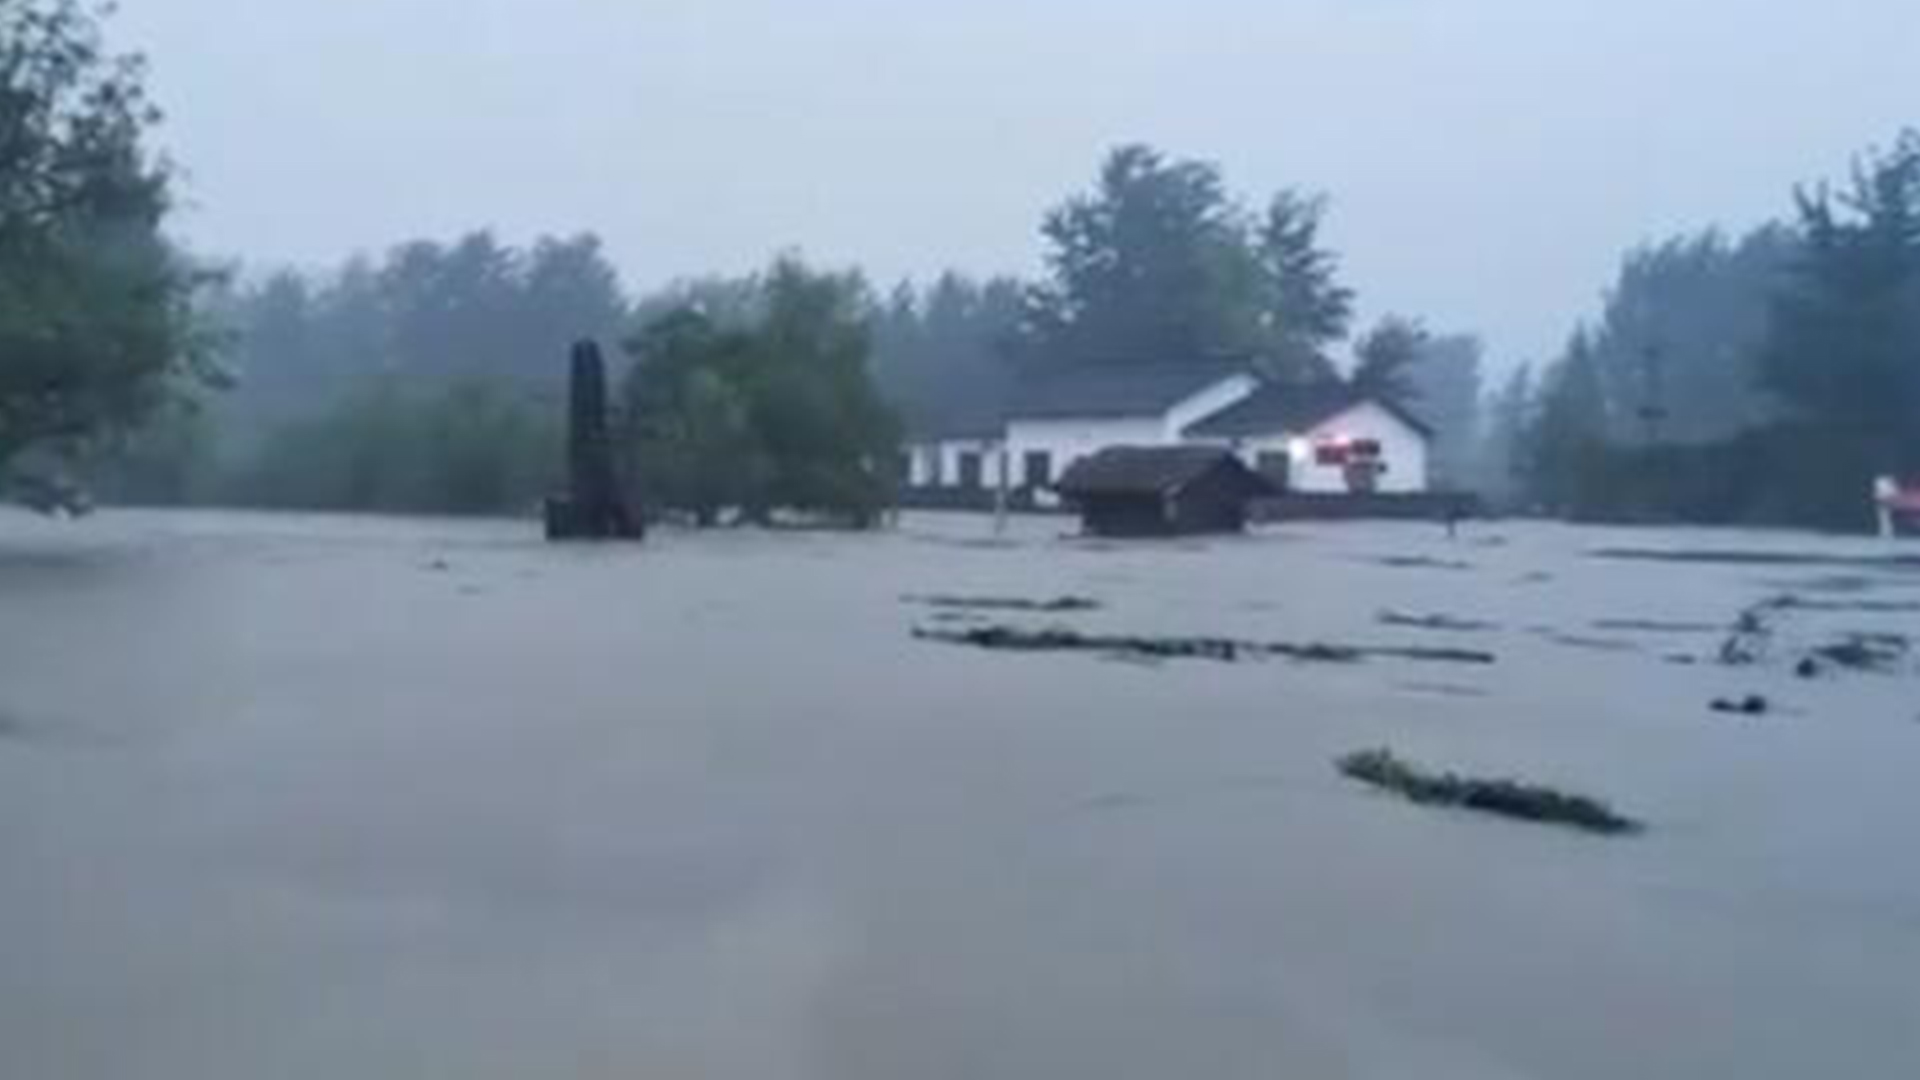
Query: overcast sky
point(1489, 160)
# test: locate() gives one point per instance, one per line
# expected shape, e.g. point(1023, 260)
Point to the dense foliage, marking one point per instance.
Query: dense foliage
point(1385, 358)
point(1160, 261)
point(1447, 387)
point(430, 380)
point(776, 411)
point(1844, 354)
point(96, 326)
point(1767, 380)
point(461, 447)
point(944, 355)
point(473, 309)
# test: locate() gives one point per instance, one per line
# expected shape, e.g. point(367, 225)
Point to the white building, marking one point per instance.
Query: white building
point(1314, 439)
point(1324, 440)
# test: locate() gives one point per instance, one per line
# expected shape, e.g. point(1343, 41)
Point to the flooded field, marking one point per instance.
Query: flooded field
point(315, 799)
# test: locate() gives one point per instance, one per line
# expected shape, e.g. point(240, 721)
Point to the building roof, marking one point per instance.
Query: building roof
point(1151, 470)
point(1293, 409)
point(1117, 388)
point(955, 421)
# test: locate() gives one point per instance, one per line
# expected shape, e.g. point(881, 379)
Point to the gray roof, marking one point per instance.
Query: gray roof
point(928, 422)
point(1117, 388)
point(1151, 470)
point(1293, 409)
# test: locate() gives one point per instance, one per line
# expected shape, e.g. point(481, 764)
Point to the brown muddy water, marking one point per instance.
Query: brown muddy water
point(312, 799)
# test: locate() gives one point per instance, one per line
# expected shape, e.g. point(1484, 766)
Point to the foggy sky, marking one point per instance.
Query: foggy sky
point(1489, 160)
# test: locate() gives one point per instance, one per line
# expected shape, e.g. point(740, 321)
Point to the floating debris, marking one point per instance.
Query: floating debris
point(1656, 626)
point(1751, 705)
point(1878, 653)
point(1760, 558)
point(1421, 562)
point(1058, 606)
point(1844, 584)
point(1426, 655)
point(1859, 607)
point(1221, 650)
point(1448, 690)
point(1504, 798)
point(1444, 623)
point(1119, 801)
point(1751, 639)
point(1582, 641)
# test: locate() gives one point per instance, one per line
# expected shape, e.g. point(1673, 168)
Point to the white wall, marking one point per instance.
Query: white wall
point(1067, 441)
point(941, 461)
point(921, 458)
point(1404, 449)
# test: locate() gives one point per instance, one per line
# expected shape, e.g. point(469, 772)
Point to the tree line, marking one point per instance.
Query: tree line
point(1763, 379)
point(426, 379)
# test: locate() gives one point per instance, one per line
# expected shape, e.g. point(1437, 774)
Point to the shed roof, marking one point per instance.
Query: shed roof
point(1152, 470)
point(1294, 409)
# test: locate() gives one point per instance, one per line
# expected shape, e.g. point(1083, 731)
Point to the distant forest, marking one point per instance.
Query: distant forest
point(427, 380)
point(1762, 379)
point(1759, 378)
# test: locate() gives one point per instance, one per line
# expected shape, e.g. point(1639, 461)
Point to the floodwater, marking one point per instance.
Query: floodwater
point(311, 798)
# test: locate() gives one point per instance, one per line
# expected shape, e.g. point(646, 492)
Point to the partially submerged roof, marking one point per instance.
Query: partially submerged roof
point(1153, 470)
point(1294, 409)
point(1118, 388)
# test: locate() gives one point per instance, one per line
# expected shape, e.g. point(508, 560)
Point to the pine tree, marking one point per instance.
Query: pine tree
point(1305, 308)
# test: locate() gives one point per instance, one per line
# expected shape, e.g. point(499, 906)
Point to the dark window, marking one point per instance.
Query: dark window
point(1038, 469)
point(1275, 465)
point(1366, 448)
point(936, 467)
point(1332, 455)
point(970, 471)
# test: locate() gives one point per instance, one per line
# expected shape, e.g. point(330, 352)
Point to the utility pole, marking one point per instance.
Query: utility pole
point(1000, 494)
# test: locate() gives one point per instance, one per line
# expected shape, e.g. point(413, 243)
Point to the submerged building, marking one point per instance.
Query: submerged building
point(1135, 491)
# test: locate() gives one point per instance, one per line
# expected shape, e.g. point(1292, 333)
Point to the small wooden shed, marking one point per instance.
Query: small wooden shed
point(1162, 491)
